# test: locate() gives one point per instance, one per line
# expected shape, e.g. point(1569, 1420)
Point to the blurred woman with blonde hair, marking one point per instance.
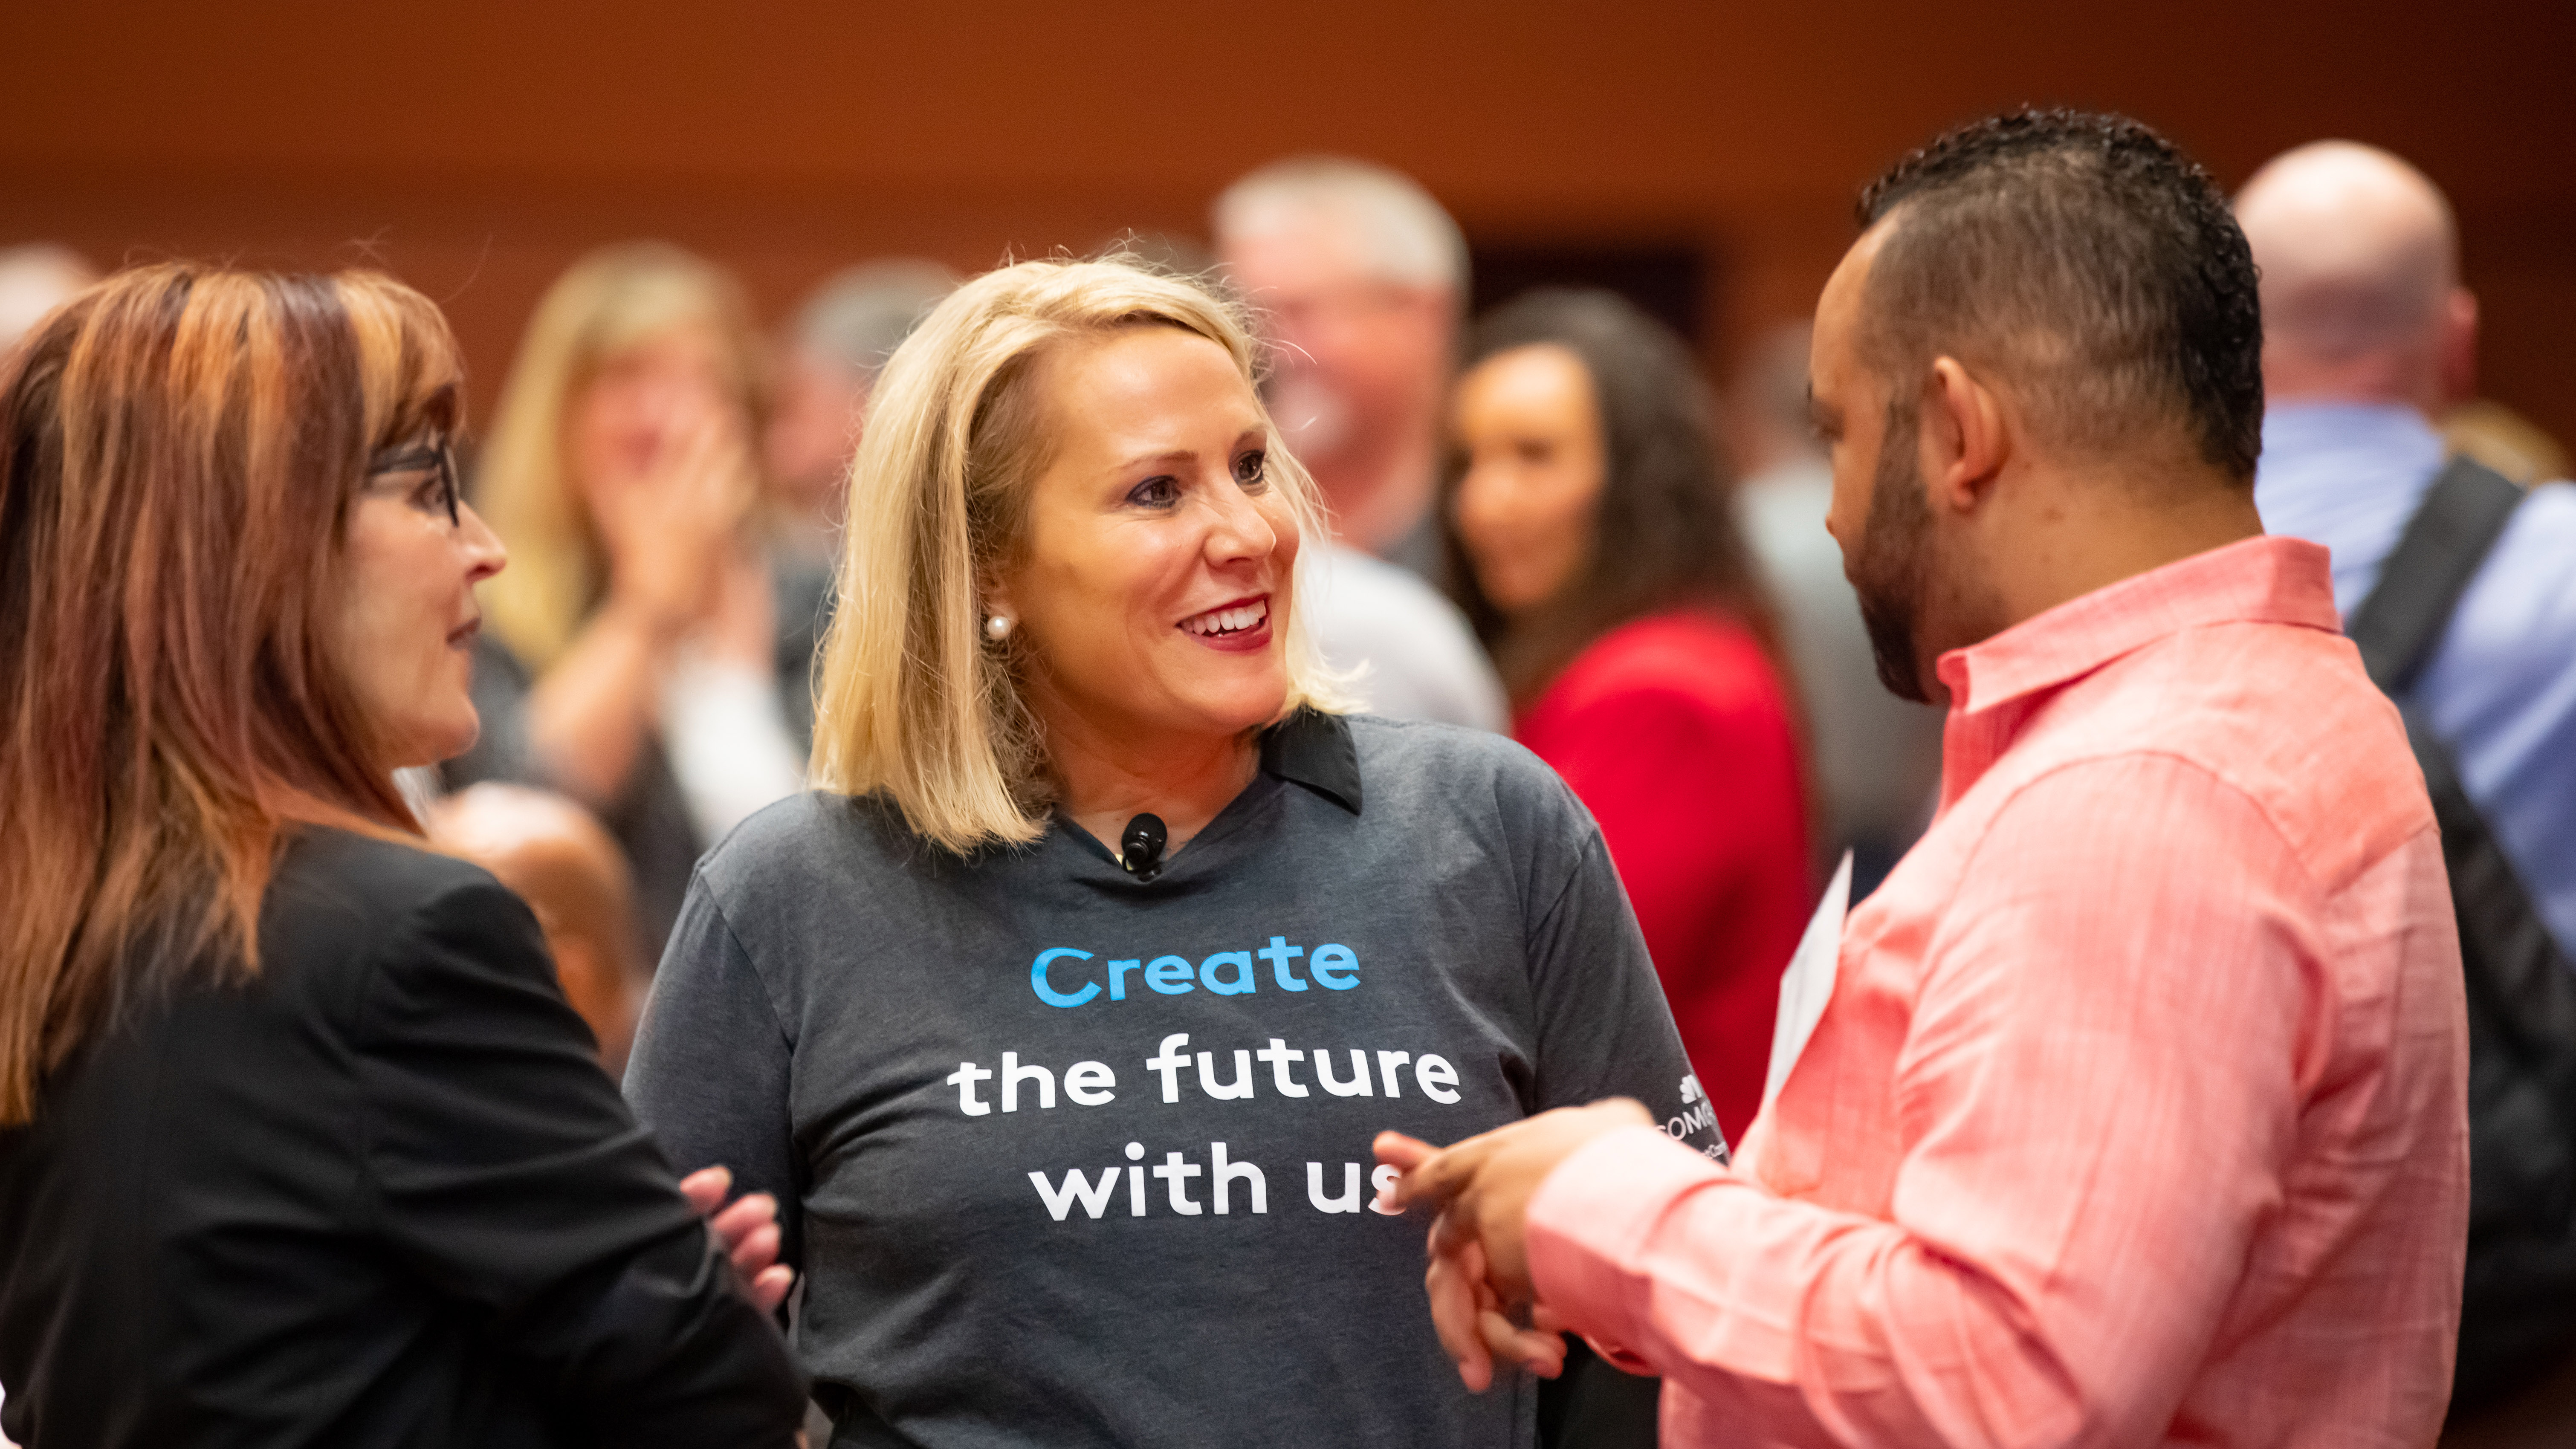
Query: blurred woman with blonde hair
point(637, 660)
point(299, 1143)
point(1061, 1016)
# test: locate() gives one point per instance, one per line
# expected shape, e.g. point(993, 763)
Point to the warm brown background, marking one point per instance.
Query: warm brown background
point(475, 151)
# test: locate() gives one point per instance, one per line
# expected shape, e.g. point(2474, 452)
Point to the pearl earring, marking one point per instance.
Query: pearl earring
point(998, 628)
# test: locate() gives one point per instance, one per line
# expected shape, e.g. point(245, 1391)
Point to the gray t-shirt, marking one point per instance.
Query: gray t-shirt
point(1069, 1158)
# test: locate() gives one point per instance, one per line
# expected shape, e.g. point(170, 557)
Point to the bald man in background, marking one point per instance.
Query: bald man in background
point(2368, 338)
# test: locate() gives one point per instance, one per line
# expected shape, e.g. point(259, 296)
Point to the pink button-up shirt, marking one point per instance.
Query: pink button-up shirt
point(2137, 1113)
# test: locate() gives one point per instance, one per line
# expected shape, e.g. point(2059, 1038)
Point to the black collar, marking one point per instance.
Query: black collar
point(1314, 749)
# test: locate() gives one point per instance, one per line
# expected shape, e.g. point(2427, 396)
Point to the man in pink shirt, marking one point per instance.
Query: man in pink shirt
point(2136, 1112)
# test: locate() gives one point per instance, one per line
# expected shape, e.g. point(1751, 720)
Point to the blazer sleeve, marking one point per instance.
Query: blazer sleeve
point(503, 1167)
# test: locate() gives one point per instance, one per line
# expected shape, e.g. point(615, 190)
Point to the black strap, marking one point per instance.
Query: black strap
point(2448, 538)
point(2518, 1300)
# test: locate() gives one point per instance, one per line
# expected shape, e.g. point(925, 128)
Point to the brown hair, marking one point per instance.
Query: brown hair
point(1664, 534)
point(179, 448)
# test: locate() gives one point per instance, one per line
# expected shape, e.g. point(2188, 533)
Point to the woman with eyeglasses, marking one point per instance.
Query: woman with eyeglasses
point(299, 1142)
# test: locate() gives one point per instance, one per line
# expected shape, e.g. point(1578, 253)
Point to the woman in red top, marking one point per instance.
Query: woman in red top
point(1594, 546)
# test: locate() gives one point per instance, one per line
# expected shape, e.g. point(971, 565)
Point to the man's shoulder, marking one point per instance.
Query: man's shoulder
point(2281, 715)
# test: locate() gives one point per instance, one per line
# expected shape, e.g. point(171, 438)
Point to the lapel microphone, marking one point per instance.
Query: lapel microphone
point(1140, 849)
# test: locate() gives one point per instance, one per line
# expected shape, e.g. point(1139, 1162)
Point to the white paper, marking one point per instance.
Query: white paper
point(1809, 982)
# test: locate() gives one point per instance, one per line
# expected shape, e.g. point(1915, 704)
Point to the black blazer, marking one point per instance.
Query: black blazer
point(380, 1195)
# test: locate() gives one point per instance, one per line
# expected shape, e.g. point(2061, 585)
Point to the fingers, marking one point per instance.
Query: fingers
point(1455, 1317)
point(703, 466)
point(706, 1188)
point(748, 1230)
point(1474, 1329)
point(1537, 1352)
point(753, 1212)
point(756, 1253)
point(710, 459)
point(769, 1289)
point(738, 480)
point(1435, 1178)
point(1401, 1152)
point(1453, 1234)
point(691, 430)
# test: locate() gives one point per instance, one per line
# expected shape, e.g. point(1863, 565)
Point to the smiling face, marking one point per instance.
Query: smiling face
point(1527, 425)
point(1153, 586)
point(405, 634)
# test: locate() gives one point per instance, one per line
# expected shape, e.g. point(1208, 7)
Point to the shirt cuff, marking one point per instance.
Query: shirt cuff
point(1590, 1222)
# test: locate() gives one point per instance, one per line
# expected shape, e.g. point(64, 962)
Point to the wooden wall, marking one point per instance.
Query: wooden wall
point(476, 149)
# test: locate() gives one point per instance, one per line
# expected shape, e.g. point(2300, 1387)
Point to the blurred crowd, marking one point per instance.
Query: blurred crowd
point(1546, 520)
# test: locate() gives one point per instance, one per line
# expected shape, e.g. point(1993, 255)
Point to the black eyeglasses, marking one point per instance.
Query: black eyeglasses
point(436, 457)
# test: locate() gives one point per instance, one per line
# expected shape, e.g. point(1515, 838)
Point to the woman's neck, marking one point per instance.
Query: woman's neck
point(1110, 774)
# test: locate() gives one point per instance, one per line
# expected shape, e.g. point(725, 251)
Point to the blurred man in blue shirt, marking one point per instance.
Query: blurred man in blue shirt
point(2368, 337)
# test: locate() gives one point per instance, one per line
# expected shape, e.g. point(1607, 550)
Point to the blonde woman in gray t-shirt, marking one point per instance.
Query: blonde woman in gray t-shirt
point(1060, 1017)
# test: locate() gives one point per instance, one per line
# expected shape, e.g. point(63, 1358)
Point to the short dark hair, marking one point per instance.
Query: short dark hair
point(1664, 532)
point(2087, 258)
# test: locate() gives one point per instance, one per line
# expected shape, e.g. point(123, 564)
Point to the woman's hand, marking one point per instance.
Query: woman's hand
point(748, 1230)
point(669, 533)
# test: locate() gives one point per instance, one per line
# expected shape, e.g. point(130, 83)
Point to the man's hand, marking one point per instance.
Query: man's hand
point(748, 1230)
point(1481, 1189)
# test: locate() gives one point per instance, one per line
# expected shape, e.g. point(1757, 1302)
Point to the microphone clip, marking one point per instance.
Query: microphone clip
point(1140, 847)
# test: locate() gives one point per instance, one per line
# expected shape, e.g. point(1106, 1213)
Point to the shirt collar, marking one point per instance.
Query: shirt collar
point(1315, 750)
point(2263, 580)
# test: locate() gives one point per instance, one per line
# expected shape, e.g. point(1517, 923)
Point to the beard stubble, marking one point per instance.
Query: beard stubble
point(1895, 557)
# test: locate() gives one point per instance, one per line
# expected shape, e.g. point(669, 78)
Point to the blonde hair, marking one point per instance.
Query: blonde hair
point(912, 701)
point(612, 301)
